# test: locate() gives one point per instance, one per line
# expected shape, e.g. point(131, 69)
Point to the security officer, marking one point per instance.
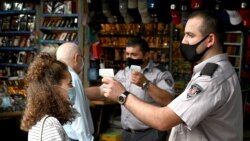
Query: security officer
point(149, 84)
point(210, 108)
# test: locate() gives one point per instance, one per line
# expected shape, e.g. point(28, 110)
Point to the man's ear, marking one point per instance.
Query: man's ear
point(75, 57)
point(147, 55)
point(211, 40)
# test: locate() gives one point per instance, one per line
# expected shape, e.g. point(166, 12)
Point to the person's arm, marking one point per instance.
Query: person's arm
point(94, 93)
point(161, 96)
point(161, 118)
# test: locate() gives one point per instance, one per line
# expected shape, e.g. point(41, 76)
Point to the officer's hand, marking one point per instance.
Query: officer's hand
point(137, 78)
point(112, 88)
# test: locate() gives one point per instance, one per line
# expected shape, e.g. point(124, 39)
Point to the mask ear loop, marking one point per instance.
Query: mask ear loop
point(201, 54)
point(202, 40)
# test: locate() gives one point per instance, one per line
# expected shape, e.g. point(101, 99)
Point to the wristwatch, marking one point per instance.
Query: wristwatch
point(145, 85)
point(122, 97)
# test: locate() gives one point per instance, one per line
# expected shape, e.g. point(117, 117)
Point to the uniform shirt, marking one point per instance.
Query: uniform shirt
point(52, 131)
point(81, 128)
point(163, 80)
point(210, 107)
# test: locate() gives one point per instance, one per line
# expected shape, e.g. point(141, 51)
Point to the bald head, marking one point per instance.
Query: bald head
point(66, 52)
point(69, 53)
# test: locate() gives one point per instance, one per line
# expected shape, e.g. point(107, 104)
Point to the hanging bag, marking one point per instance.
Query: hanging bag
point(43, 121)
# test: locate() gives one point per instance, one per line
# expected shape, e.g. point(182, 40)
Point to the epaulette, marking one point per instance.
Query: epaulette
point(161, 68)
point(209, 69)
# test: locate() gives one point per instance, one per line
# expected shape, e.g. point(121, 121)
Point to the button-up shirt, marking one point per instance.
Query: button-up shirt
point(81, 128)
point(162, 79)
point(210, 106)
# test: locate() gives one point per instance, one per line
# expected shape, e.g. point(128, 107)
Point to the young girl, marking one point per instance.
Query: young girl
point(48, 105)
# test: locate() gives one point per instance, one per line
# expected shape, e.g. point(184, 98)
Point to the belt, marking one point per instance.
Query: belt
point(73, 139)
point(137, 131)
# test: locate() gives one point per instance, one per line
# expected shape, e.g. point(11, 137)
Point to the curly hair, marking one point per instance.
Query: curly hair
point(44, 75)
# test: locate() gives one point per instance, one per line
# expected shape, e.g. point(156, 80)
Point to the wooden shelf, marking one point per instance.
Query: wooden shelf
point(4, 115)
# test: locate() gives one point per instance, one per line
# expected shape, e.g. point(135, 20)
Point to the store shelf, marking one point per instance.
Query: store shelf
point(233, 46)
point(24, 32)
point(51, 42)
point(60, 28)
point(13, 48)
point(17, 12)
point(13, 65)
point(114, 37)
point(60, 15)
point(4, 115)
point(234, 56)
point(17, 36)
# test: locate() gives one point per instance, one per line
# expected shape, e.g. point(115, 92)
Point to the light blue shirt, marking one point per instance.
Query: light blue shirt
point(82, 127)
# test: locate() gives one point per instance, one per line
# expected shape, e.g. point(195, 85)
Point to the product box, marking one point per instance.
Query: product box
point(111, 136)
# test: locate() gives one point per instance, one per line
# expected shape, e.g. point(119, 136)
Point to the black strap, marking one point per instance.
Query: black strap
point(42, 127)
point(137, 131)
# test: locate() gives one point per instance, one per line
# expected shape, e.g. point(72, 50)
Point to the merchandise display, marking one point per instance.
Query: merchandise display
point(114, 37)
point(59, 22)
point(102, 29)
point(17, 37)
point(234, 48)
point(12, 95)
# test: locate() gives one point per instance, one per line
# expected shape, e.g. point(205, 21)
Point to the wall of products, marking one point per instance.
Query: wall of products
point(22, 35)
point(114, 37)
point(114, 33)
point(62, 20)
point(17, 37)
point(59, 22)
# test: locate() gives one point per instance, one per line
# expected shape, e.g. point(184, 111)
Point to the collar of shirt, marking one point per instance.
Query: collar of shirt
point(214, 59)
point(70, 69)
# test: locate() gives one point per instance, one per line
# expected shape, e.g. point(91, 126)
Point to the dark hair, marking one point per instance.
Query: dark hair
point(138, 42)
point(212, 23)
point(44, 75)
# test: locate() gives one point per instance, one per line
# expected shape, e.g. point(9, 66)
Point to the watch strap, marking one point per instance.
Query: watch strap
point(126, 93)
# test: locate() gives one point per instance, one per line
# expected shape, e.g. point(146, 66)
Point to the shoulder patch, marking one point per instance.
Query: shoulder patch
point(169, 82)
point(194, 90)
point(209, 69)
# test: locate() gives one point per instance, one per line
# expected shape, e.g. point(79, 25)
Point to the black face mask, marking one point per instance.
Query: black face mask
point(131, 61)
point(189, 51)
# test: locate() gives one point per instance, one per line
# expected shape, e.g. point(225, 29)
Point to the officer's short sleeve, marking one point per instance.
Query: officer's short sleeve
point(165, 81)
point(196, 102)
